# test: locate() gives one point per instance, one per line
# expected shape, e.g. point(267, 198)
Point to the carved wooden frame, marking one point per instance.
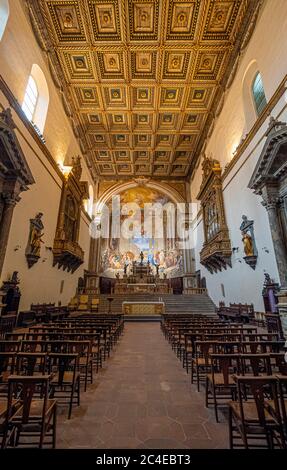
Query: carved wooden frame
point(67, 253)
point(216, 252)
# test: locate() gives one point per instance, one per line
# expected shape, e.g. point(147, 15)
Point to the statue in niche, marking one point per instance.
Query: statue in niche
point(33, 250)
point(248, 239)
point(248, 244)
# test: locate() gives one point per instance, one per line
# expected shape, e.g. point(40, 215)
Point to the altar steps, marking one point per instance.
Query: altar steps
point(197, 303)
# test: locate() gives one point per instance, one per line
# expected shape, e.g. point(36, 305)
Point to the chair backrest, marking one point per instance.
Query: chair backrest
point(9, 345)
point(205, 348)
point(61, 363)
point(31, 363)
point(225, 364)
point(258, 364)
point(278, 363)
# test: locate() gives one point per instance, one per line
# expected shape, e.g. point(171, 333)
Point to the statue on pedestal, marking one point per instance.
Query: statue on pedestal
point(33, 249)
point(248, 239)
point(141, 257)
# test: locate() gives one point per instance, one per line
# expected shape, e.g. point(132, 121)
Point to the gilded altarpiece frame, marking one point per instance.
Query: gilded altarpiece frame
point(216, 252)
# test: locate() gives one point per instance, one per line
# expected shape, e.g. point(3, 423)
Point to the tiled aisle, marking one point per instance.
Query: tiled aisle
point(142, 399)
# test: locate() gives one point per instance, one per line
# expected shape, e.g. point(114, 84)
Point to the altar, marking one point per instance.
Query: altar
point(141, 281)
point(143, 308)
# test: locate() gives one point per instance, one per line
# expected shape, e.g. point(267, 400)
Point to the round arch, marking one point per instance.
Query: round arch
point(248, 100)
point(43, 100)
point(116, 189)
point(4, 16)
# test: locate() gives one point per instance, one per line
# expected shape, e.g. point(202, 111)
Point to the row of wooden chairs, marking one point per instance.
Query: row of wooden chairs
point(242, 369)
point(39, 371)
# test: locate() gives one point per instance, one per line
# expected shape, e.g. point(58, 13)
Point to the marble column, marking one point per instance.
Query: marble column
point(10, 201)
point(278, 241)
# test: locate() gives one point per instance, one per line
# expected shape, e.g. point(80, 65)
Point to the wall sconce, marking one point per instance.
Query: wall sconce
point(266, 249)
point(17, 247)
point(235, 249)
point(49, 248)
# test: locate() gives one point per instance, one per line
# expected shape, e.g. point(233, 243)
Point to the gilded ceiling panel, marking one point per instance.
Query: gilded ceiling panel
point(143, 77)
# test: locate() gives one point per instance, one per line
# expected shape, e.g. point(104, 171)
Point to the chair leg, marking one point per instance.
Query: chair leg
point(197, 375)
point(55, 427)
point(86, 377)
point(230, 428)
point(215, 403)
point(79, 388)
point(206, 392)
point(71, 402)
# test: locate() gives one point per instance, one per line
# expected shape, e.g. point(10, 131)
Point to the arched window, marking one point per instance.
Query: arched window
point(30, 99)
point(36, 99)
point(4, 15)
point(258, 94)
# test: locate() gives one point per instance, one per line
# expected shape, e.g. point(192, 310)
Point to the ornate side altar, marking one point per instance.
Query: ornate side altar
point(141, 281)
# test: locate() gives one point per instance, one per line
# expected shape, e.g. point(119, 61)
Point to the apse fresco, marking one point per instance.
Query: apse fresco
point(143, 195)
point(121, 252)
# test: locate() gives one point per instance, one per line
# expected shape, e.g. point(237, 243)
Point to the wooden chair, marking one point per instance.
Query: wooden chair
point(201, 362)
point(256, 364)
point(65, 382)
point(83, 350)
point(220, 384)
point(34, 418)
point(251, 419)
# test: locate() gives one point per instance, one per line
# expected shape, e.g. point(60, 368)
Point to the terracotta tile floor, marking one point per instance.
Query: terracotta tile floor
point(142, 399)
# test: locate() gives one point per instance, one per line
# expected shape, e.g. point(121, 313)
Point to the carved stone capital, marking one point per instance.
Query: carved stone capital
point(11, 199)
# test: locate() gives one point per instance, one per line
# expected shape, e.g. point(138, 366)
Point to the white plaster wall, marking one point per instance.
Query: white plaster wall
point(268, 48)
point(18, 52)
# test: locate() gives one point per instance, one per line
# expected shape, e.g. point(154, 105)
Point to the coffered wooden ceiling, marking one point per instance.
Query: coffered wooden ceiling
point(142, 80)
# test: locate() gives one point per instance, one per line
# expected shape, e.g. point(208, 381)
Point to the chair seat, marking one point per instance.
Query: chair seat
point(250, 411)
point(67, 379)
point(36, 409)
point(218, 379)
point(201, 361)
point(83, 361)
